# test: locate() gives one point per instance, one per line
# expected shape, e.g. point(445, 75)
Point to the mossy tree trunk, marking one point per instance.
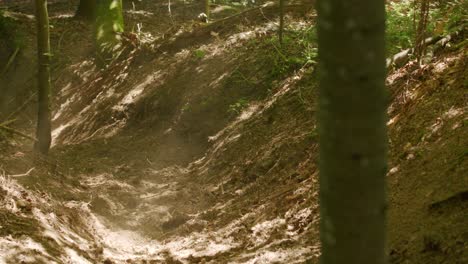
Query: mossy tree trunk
point(108, 28)
point(352, 130)
point(86, 10)
point(43, 132)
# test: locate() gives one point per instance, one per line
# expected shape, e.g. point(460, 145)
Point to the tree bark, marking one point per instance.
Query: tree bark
point(281, 22)
point(207, 9)
point(419, 45)
point(352, 130)
point(86, 10)
point(43, 132)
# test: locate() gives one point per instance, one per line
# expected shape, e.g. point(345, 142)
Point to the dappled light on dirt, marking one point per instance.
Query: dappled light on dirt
point(31, 214)
point(197, 141)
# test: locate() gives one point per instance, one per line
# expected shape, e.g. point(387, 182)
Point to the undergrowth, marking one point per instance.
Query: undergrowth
point(273, 63)
point(402, 17)
point(298, 50)
point(10, 37)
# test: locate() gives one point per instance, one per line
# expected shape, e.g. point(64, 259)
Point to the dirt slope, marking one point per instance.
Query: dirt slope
point(185, 156)
point(428, 181)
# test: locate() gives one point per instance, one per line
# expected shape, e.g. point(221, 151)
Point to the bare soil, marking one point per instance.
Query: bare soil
point(178, 153)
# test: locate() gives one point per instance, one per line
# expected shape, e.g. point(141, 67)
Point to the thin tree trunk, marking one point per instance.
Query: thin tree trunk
point(207, 9)
point(86, 10)
point(419, 46)
point(281, 21)
point(43, 132)
point(352, 131)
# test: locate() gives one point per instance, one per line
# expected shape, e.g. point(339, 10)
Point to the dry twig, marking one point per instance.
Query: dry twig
point(22, 174)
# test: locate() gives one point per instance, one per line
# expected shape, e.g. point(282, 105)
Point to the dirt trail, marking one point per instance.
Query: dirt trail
point(121, 170)
point(132, 191)
point(198, 153)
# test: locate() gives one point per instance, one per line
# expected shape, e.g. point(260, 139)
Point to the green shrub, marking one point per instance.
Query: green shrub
point(199, 54)
point(444, 17)
point(237, 107)
point(400, 26)
point(299, 49)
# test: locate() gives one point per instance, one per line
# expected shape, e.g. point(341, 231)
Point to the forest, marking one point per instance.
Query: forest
point(234, 131)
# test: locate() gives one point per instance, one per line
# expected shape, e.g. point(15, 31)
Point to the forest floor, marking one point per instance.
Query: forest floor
point(199, 145)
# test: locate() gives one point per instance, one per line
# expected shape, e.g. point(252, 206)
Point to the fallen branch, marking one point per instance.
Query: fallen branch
point(16, 132)
point(402, 57)
point(17, 111)
point(442, 43)
point(270, 8)
point(10, 61)
point(23, 174)
point(224, 25)
point(243, 13)
point(5, 123)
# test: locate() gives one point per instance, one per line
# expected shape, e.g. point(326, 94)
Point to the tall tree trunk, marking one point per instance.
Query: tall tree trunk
point(86, 10)
point(352, 129)
point(281, 21)
point(109, 26)
point(207, 9)
point(421, 29)
point(43, 132)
